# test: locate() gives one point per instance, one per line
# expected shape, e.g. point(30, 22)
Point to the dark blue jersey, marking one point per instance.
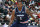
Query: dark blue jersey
point(21, 16)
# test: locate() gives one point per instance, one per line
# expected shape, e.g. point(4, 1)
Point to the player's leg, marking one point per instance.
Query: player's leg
point(14, 24)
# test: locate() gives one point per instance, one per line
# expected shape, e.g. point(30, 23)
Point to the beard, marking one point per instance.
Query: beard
point(19, 7)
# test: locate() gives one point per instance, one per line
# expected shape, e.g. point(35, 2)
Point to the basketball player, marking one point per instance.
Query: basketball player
point(21, 16)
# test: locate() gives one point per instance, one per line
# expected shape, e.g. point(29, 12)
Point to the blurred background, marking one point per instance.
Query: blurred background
point(7, 6)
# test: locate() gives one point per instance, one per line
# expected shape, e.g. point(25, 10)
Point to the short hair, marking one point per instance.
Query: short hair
point(19, 0)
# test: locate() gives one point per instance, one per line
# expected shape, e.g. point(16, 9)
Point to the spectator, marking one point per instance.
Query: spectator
point(9, 16)
point(0, 1)
point(39, 10)
point(13, 6)
point(1, 10)
point(5, 12)
point(6, 6)
point(39, 3)
point(10, 2)
point(6, 2)
point(27, 3)
point(10, 10)
point(1, 4)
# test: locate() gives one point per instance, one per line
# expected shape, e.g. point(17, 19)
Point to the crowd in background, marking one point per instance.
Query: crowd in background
point(7, 6)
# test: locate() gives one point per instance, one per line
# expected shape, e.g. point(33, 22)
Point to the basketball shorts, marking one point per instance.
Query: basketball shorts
point(15, 24)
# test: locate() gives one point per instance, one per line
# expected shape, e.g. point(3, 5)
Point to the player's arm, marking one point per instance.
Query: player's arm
point(29, 12)
point(12, 18)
